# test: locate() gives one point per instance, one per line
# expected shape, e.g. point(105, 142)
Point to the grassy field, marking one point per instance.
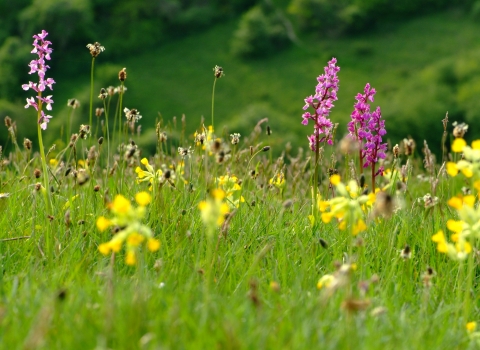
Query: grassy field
point(226, 247)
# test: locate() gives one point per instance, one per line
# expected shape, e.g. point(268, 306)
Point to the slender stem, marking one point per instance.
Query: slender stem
point(120, 114)
point(315, 175)
point(467, 298)
point(91, 91)
point(108, 135)
point(69, 126)
point(373, 177)
point(213, 99)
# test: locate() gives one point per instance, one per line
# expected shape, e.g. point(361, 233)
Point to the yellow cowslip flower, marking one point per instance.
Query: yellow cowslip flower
point(335, 179)
point(104, 248)
point(452, 169)
point(327, 217)
point(471, 326)
point(439, 238)
point(455, 226)
point(53, 162)
point(342, 225)
point(457, 202)
point(233, 194)
point(134, 239)
point(120, 205)
point(360, 226)
point(326, 281)
point(476, 185)
point(458, 145)
point(103, 223)
point(149, 175)
point(115, 244)
point(143, 198)
point(153, 244)
point(463, 247)
point(278, 180)
point(214, 209)
point(476, 145)
point(131, 258)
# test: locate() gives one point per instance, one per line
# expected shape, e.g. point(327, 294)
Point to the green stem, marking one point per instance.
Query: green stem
point(467, 298)
point(120, 114)
point(108, 136)
point(91, 91)
point(213, 100)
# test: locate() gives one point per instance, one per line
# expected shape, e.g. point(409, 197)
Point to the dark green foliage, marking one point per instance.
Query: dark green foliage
point(336, 17)
point(261, 32)
point(67, 21)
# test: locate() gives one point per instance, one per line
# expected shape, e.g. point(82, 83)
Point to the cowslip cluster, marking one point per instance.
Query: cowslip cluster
point(322, 102)
point(368, 128)
point(127, 220)
point(42, 49)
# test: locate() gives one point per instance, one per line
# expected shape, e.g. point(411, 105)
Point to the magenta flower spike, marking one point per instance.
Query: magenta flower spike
point(322, 102)
point(42, 49)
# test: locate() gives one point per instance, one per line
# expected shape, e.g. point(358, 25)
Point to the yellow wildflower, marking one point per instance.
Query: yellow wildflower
point(153, 244)
point(143, 198)
point(103, 223)
point(121, 205)
point(452, 169)
point(458, 145)
point(131, 258)
point(439, 238)
point(104, 248)
point(134, 239)
point(471, 326)
point(326, 281)
point(360, 226)
point(455, 226)
point(335, 179)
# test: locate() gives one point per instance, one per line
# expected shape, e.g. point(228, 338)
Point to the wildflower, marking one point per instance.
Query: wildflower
point(120, 89)
point(471, 326)
point(42, 49)
point(150, 174)
point(132, 232)
point(95, 49)
point(230, 185)
point(214, 209)
point(322, 102)
point(278, 180)
point(458, 145)
point(327, 281)
point(347, 207)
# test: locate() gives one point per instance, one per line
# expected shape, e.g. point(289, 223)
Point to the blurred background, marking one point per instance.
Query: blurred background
point(422, 56)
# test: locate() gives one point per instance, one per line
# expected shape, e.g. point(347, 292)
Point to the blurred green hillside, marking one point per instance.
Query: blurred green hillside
point(422, 66)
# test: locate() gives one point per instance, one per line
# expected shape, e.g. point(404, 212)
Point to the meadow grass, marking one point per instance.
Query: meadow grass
point(242, 265)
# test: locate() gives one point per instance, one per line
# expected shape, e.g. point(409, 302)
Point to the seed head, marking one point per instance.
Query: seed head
point(235, 138)
point(122, 75)
point(27, 144)
point(103, 94)
point(37, 173)
point(459, 129)
point(84, 131)
point(95, 49)
point(396, 151)
point(73, 103)
point(218, 72)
